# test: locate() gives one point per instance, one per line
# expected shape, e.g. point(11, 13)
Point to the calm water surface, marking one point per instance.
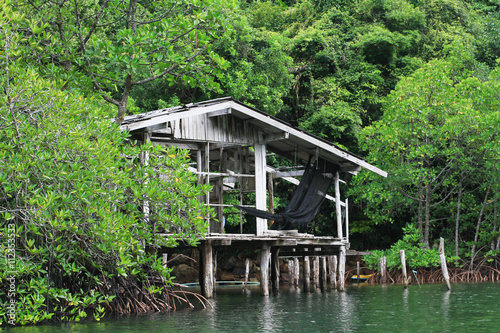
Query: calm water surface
point(363, 308)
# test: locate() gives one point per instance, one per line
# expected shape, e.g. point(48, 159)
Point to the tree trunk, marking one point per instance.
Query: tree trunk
point(427, 215)
point(420, 208)
point(478, 226)
point(122, 105)
point(457, 221)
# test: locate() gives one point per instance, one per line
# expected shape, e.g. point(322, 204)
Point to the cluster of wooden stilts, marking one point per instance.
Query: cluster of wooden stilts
point(325, 268)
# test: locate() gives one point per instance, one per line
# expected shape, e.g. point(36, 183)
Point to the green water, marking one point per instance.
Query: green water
point(364, 308)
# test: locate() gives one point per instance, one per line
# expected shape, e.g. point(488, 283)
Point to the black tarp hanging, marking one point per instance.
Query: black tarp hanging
point(306, 200)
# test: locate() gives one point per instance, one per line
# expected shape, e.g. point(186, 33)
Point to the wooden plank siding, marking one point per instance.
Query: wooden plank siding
point(226, 129)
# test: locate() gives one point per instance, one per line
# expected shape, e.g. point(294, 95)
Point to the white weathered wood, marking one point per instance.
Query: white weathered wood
point(291, 275)
point(332, 263)
point(265, 256)
point(358, 271)
point(144, 159)
point(337, 206)
point(260, 118)
point(346, 220)
point(221, 112)
point(275, 137)
point(207, 178)
point(260, 186)
point(322, 273)
point(444, 267)
point(207, 272)
point(341, 283)
point(316, 271)
point(383, 270)
point(306, 274)
point(403, 268)
point(247, 271)
point(275, 269)
point(164, 260)
point(296, 272)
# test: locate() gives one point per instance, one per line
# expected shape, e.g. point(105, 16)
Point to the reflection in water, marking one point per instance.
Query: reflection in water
point(432, 308)
point(406, 293)
point(348, 312)
point(446, 307)
point(267, 316)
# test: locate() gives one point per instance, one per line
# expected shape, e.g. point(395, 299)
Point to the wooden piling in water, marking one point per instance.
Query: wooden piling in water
point(403, 268)
point(316, 272)
point(265, 256)
point(207, 269)
point(275, 269)
point(306, 275)
point(444, 267)
point(357, 270)
point(247, 271)
point(291, 275)
point(296, 272)
point(322, 274)
point(332, 263)
point(383, 270)
point(342, 254)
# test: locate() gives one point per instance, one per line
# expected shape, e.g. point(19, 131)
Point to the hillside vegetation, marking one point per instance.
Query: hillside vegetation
point(411, 86)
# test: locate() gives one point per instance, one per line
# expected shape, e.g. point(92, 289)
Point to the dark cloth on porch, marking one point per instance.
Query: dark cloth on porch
point(306, 200)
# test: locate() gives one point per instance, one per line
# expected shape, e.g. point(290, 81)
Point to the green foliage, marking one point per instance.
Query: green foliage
point(75, 202)
point(112, 46)
point(417, 256)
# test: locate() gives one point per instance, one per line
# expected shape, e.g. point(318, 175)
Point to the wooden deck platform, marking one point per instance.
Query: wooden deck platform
point(272, 246)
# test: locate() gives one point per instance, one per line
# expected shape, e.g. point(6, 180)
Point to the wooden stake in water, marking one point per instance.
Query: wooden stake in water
point(403, 267)
point(316, 272)
point(296, 272)
point(306, 271)
point(357, 270)
point(322, 274)
point(247, 271)
point(342, 254)
point(383, 270)
point(444, 268)
point(332, 261)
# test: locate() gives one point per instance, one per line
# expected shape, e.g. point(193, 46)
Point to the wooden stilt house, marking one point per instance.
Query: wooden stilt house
point(230, 143)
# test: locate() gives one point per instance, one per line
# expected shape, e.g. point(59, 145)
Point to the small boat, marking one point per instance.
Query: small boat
point(362, 278)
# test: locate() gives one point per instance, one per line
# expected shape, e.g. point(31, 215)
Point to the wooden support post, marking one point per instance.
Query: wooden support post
point(247, 271)
point(358, 270)
point(207, 181)
point(199, 167)
point(444, 267)
point(265, 256)
point(337, 206)
point(342, 254)
point(164, 260)
point(260, 186)
point(332, 263)
point(306, 275)
point(214, 270)
point(290, 272)
point(316, 271)
point(322, 273)
point(275, 269)
point(403, 268)
point(296, 271)
point(206, 269)
point(144, 160)
point(383, 270)
point(346, 220)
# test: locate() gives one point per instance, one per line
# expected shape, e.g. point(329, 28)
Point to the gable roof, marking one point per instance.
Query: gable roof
point(279, 136)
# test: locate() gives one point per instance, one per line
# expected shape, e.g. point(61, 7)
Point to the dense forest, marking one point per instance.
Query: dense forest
point(411, 86)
